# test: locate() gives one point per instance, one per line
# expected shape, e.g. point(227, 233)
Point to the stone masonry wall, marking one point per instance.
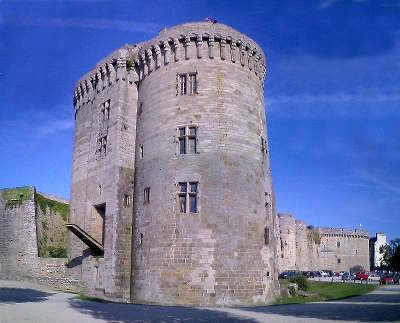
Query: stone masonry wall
point(19, 255)
point(51, 217)
point(318, 248)
point(176, 258)
point(103, 177)
point(287, 241)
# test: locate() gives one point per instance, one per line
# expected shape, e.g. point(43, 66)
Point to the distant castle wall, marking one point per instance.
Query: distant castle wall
point(308, 248)
point(26, 215)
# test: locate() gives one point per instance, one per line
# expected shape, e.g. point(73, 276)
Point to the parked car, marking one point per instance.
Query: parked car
point(386, 280)
point(347, 277)
point(289, 274)
point(324, 273)
point(396, 278)
point(374, 277)
point(316, 274)
point(361, 275)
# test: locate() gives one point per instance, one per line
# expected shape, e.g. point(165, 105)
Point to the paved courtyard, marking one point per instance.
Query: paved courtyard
point(26, 302)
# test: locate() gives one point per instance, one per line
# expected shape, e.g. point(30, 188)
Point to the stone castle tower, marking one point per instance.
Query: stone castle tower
point(171, 197)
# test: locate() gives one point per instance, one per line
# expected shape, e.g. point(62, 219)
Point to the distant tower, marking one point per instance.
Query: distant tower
point(287, 236)
point(171, 184)
point(376, 244)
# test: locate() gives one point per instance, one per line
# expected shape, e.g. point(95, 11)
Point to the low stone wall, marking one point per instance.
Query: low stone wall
point(19, 253)
point(53, 272)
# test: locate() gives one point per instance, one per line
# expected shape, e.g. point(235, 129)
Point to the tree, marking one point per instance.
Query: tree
point(394, 262)
point(386, 253)
point(391, 255)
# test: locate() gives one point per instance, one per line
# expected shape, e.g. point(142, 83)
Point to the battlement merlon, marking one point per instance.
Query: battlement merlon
point(346, 231)
point(147, 56)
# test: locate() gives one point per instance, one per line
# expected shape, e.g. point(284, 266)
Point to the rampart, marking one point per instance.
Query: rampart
point(318, 248)
point(26, 215)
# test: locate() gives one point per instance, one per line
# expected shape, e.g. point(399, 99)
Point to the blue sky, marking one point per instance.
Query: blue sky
point(332, 93)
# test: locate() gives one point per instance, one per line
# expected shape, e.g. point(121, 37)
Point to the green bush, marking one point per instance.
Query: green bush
point(57, 252)
point(301, 281)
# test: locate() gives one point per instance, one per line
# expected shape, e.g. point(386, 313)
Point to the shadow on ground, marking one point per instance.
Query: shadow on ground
point(113, 312)
point(22, 295)
point(373, 307)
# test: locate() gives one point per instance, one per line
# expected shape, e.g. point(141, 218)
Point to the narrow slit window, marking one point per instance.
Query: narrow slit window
point(104, 145)
point(141, 239)
point(141, 151)
point(266, 236)
point(147, 195)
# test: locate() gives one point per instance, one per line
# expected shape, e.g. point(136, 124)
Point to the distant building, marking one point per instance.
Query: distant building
point(375, 245)
point(315, 248)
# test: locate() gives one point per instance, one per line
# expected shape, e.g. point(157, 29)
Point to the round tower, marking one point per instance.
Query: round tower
point(287, 236)
point(204, 228)
point(187, 138)
point(302, 252)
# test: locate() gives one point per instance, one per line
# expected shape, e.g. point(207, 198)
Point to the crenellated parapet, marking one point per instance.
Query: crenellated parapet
point(114, 68)
point(343, 233)
point(196, 41)
point(192, 41)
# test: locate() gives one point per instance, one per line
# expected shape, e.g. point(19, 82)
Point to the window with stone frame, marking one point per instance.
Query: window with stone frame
point(192, 83)
point(187, 140)
point(182, 84)
point(264, 145)
point(146, 195)
point(338, 244)
point(267, 200)
point(339, 260)
point(186, 84)
point(102, 145)
point(188, 197)
point(127, 199)
point(105, 110)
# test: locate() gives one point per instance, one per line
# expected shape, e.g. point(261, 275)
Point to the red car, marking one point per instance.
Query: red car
point(362, 276)
point(386, 280)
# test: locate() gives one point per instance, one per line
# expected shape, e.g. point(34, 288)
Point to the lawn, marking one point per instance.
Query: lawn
point(326, 291)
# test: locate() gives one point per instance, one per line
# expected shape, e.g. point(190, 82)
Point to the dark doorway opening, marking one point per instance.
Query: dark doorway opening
point(99, 222)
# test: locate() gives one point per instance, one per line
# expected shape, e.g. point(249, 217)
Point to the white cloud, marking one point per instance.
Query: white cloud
point(364, 179)
point(339, 104)
point(329, 3)
point(52, 126)
point(335, 98)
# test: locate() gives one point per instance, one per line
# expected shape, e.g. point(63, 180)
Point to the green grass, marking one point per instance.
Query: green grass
point(61, 208)
point(16, 196)
point(84, 297)
point(326, 291)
